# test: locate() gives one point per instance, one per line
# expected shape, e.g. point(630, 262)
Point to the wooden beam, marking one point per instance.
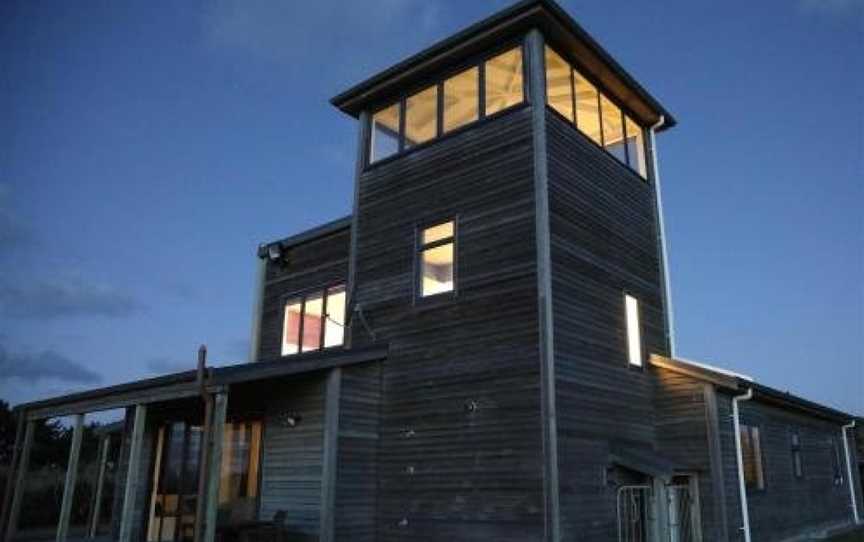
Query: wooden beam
point(220, 412)
point(134, 468)
point(10, 476)
point(202, 469)
point(104, 448)
point(534, 45)
point(330, 455)
point(71, 478)
point(18, 491)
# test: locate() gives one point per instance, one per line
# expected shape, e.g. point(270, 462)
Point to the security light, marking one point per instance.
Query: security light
point(274, 252)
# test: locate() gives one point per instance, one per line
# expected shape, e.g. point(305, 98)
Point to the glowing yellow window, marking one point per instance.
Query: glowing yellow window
point(436, 259)
point(559, 87)
point(461, 99)
point(503, 81)
point(587, 108)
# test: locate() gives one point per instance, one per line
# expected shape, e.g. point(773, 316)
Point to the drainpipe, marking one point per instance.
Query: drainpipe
point(257, 307)
point(664, 251)
point(742, 488)
point(849, 471)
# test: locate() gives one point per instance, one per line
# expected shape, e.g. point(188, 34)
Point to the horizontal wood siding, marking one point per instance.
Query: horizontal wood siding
point(603, 240)
point(448, 470)
point(291, 457)
point(315, 264)
point(357, 473)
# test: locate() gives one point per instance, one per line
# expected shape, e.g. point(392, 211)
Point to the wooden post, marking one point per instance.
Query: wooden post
point(203, 460)
point(10, 476)
point(71, 478)
point(220, 412)
point(330, 454)
point(130, 492)
point(100, 482)
point(18, 491)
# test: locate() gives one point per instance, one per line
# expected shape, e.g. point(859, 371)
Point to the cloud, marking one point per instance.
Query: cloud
point(64, 296)
point(45, 365)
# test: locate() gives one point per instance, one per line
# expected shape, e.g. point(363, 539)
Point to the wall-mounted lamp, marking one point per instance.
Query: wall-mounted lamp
point(290, 420)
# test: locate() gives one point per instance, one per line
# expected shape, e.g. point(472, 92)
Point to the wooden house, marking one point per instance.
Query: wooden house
point(482, 350)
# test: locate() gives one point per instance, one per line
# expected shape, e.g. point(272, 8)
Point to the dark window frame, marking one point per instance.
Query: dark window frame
point(478, 62)
point(797, 454)
point(836, 464)
point(601, 90)
point(420, 247)
point(303, 295)
point(759, 485)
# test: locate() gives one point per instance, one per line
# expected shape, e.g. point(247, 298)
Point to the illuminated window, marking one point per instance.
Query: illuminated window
point(559, 84)
point(587, 108)
point(635, 146)
point(797, 463)
point(421, 117)
point(314, 320)
point(504, 83)
point(461, 99)
point(436, 259)
point(385, 133)
point(751, 455)
point(613, 129)
point(238, 485)
point(634, 332)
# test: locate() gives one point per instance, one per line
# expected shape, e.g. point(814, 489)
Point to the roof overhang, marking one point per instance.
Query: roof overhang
point(734, 382)
point(313, 234)
point(185, 385)
point(557, 26)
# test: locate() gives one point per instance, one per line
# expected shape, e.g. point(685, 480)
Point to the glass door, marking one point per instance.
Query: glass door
point(175, 483)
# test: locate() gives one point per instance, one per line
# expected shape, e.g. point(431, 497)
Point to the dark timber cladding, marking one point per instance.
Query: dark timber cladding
point(460, 440)
point(603, 244)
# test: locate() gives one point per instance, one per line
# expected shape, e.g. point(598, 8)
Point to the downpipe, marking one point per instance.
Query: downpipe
point(849, 471)
point(661, 224)
point(742, 487)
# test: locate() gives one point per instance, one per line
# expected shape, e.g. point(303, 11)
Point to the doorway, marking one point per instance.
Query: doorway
point(174, 497)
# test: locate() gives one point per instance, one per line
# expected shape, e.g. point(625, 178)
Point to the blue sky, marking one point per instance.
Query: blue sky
point(146, 152)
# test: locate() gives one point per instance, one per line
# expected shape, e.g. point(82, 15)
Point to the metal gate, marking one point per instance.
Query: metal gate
point(633, 506)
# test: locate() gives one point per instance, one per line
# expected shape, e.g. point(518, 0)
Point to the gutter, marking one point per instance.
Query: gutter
point(742, 488)
point(849, 471)
point(664, 250)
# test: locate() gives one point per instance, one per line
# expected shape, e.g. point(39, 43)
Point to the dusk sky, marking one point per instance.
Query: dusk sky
point(147, 149)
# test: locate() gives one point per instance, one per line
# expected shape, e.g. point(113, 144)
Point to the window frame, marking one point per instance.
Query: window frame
point(437, 81)
point(601, 91)
point(642, 358)
point(761, 483)
point(420, 247)
point(302, 295)
point(838, 478)
point(797, 454)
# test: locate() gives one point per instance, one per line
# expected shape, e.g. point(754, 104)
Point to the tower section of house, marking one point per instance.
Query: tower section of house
point(504, 215)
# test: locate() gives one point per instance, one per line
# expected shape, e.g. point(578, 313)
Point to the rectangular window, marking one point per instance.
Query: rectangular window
point(559, 84)
point(384, 139)
point(421, 117)
point(835, 463)
point(635, 147)
point(634, 331)
point(504, 81)
point(751, 455)
point(587, 108)
point(314, 320)
point(797, 464)
point(461, 99)
point(436, 259)
point(613, 129)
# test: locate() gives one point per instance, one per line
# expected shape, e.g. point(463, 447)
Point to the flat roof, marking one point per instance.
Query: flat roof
point(556, 24)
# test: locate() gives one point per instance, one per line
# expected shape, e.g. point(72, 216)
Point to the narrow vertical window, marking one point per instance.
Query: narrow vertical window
point(291, 331)
point(635, 147)
point(313, 311)
point(436, 259)
point(634, 331)
point(751, 455)
point(559, 85)
point(587, 108)
point(835, 456)
point(334, 327)
point(421, 117)
point(797, 466)
point(613, 129)
point(384, 140)
point(504, 81)
point(461, 99)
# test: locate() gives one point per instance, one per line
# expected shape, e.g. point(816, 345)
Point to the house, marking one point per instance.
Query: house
point(482, 350)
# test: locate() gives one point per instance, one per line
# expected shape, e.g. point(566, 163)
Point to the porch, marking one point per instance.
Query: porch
point(244, 452)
